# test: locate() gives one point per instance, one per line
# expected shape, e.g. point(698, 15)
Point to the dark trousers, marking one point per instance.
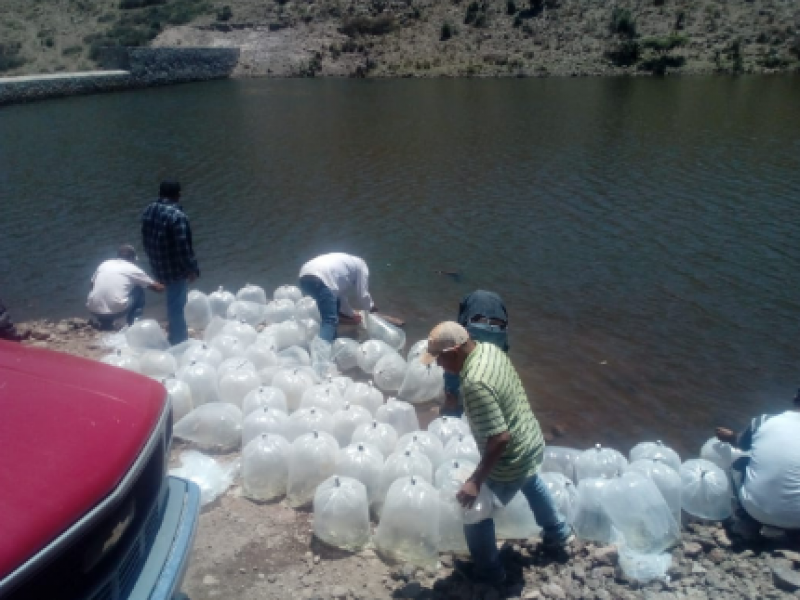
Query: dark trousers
point(134, 312)
point(327, 303)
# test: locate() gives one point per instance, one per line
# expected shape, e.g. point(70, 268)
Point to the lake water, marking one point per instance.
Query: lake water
point(644, 233)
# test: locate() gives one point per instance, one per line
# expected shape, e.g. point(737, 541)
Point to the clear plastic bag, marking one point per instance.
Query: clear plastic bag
point(214, 426)
point(197, 310)
point(370, 352)
point(211, 477)
point(400, 415)
point(294, 356)
point(306, 420)
point(409, 529)
point(380, 435)
point(705, 490)
point(342, 382)
point(364, 394)
point(421, 383)
point(448, 428)
point(320, 351)
point(265, 467)
point(482, 508)
point(261, 356)
point(180, 396)
point(346, 420)
point(589, 519)
point(202, 381)
point(293, 384)
point(426, 442)
point(312, 460)
point(643, 568)
point(123, 360)
point(279, 311)
point(462, 448)
point(253, 313)
point(416, 351)
point(341, 513)
point(451, 519)
point(265, 396)
point(656, 451)
point(599, 462)
point(363, 462)
point(219, 302)
point(287, 334)
point(267, 374)
point(323, 395)
point(380, 329)
point(310, 329)
point(667, 480)
point(202, 353)
point(638, 511)
point(236, 384)
point(345, 352)
point(242, 331)
point(288, 292)
point(721, 454)
point(214, 328)
point(515, 520)
point(252, 293)
point(558, 459)
point(264, 421)
point(228, 346)
point(389, 372)
point(306, 308)
point(234, 364)
point(454, 470)
point(146, 334)
point(397, 465)
point(563, 492)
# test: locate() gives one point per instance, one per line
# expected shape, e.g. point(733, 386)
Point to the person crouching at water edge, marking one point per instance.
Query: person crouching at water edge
point(339, 283)
point(483, 314)
point(509, 439)
point(118, 289)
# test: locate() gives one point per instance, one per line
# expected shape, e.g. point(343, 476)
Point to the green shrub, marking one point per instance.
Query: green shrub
point(623, 23)
point(511, 7)
point(773, 61)
point(72, 51)
point(660, 48)
point(794, 47)
point(380, 25)
point(447, 32)
point(10, 56)
point(625, 53)
point(225, 13)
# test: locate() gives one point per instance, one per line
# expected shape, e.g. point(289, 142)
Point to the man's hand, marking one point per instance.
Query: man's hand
point(158, 287)
point(468, 493)
point(726, 435)
point(192, 277)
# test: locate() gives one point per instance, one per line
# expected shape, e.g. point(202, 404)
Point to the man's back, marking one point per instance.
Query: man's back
point(167, 239)
point(112, 285)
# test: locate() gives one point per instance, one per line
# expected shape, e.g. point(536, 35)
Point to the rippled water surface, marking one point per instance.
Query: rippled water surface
point(644, 233)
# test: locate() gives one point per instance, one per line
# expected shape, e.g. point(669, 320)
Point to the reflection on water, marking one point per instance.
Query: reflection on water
point(642, 232)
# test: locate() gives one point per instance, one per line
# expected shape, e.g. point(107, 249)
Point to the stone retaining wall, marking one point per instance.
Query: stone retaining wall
point(129, 68)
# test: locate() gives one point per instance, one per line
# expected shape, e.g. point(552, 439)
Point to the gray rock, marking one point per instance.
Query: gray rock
point(338, 592)
point(721, 537)
point(605, 556)
point(553, 590)
point(698, 569)
point(692, 549)
point(785, 578)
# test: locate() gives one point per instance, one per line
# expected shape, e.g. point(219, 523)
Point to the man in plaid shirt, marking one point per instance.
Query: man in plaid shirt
point(167, 239)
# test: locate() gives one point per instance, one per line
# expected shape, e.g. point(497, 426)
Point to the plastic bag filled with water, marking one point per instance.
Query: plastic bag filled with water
point(265, 396)
point(197, 310)
point(180, 396)
point(242, 331)
point(380, 329)
point(342, 382)
point(320, 351)
point(345, 352)
point(515, 520)
point(214, 328)
point(363, 462)
point(409, 529)
point(228, 346)
point(397, 465)
point(341, 513)
point(312, 460)
point(288, 292)
point(306, 308)
point(179, 350)
point(364, 394)
point(306, 420)
point(252, 293)
point(589, 519)
point(451, 519)
point(236, 384)
point(667, 480)
point(416, 351)
point(214, 426)
point(293, 384)
point(638, 511)
point(370, 352)
point(279, 311)
point(389, 372)
point(123, 360)
point(462, 447)
point(454, 470)
point(310, 329)
point(261, 356)
point(253, 313)
point(219, 302)
point(202, 353)
point(558, 459)
point(721, 454)
point(400, 415)
point(426, 442)
point(146, 334)
point(656, 451)
point(448, 428)
point(599, 462)
point(234, 364)
point(422, 383)
point(380, 435)
point(265, 467)
point(705, 491)
point(210, 476)
point(482, 508)
point(323, 395)
point(563, 492)
point(346, 420)
point(294, 356)
point(640, 567)
point(264, 421)
point(202, 381)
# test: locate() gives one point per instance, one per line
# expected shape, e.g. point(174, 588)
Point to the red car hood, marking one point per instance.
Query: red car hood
point(70, 428)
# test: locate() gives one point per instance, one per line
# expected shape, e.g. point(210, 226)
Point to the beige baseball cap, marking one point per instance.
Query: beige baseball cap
point(445, 337)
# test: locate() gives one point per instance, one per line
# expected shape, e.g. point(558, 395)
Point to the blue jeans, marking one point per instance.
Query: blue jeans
point(481, 538)
point(133, 313)
point(177, 293)
point(480, 332)
point(327, 303)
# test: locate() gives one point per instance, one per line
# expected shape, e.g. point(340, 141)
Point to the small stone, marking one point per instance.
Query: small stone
point(210, 580)
point(272, 578)
point(242, 570)
point(698, 569)
point(446, 561)
point(605, 556)
point(532, 595)
point(717, 556)
point(721, 537)
point(602, 595)
point(692, 549)
point(339, 592)
point(553, 590)
point(261, 576)
point(316, 559)
point(579, 574)
point(600, 572)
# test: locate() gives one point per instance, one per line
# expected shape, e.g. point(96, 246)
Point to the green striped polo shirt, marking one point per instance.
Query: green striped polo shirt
point(495, 401)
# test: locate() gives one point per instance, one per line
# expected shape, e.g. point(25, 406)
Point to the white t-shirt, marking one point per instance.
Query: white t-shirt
point(112, 285)
point(771, 490)
point(346, 276)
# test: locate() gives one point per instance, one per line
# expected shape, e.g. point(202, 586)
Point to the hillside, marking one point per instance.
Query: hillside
point(420, 38)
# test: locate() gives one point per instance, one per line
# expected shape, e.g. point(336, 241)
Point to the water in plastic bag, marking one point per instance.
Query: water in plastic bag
point(589, 519)
point(515, 520)
point(279, 311)
point(253, 313)
point(462, 447)
point(426, 442)
point(563, 492)
point(123, 360)
point(252, 293)
point(341, 513)
point(656, 451)
point(219, 302)
point(363, 462)
point(416, 351)
point(454, 470)
point(242, 331)
point(409, 529)
point(320, 351)
point(211, 477)
point(294, 356)
point(323, 395)
point(312, 460)
point(264, 421)
point(197, 310)
point(599, 462)
point(482, 508)
point(180, 396)
point(306, 420)
point(342, 382)
point(268, 373)
point(706, 490)
point(146, 334)
point(346, 420)
point(214, 328)
point(345, 352)
point(234, 364)
point(370, 352)
point(638, 511)
point(451, 520)
point(389, 372)
point(202, 381)
point(364, 394)
point(213, 426)
point(306, 308)
point(293, 384)
point(558, 459)
point(721, 454)
point(265, 467)
point(261, 356)
point(265, 396)
point(202, 353)
point(380, 435)
point(236, 384)
point(228, 346)
point(380, 329)
point(667, 480)
point(310, 329)
point(422, 383)
point(643, 568)
point(447, 428)
point(400, 415)
point(288, 292)
point(397, 465)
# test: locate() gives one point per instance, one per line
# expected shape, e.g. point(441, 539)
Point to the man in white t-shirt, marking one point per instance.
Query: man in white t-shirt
point(770, 486)
point(118, 289)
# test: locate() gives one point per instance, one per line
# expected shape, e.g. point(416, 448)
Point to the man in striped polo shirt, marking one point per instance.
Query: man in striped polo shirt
point(509, 439)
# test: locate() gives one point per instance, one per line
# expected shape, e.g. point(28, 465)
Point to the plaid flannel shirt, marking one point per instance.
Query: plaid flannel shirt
point(167, 239)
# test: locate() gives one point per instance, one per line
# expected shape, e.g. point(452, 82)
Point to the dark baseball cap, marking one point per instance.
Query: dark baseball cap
point(169, 189)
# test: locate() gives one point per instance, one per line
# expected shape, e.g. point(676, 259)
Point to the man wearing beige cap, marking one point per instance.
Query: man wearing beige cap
point(509, 439)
